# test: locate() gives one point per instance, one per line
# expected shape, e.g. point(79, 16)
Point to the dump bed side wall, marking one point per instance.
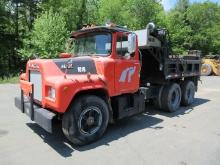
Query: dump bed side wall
point(161, 70)
point(180, 67)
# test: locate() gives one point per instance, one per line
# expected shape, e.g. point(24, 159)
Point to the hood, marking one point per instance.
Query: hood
point(76, 65)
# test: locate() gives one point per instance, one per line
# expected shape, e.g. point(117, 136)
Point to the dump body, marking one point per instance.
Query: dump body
point(158, 65)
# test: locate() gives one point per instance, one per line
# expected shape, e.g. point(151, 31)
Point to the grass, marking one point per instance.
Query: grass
point(12, 80)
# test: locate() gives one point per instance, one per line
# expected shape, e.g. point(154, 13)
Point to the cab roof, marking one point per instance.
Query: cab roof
point(98, 29)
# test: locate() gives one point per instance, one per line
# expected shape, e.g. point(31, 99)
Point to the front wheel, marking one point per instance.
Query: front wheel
point(86, 120)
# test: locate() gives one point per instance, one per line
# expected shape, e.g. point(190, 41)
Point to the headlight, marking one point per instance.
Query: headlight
point(51, 93)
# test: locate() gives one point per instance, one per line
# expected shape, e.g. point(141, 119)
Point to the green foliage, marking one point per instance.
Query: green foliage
point(204, 19)
point(112, 10)
point(135, 14)
point(8, 41)
point(140, 12)
point(75, 12)
point(182, 6)
point(179, 28)
point(9, 79)
point(179, 32)
point(48, 36)
point(195, 26)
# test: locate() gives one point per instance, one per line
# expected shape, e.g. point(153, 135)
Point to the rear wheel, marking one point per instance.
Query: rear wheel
point(157, 100)
point(171, 97)
point(206, 69)
point(188, 93)
point(86, 120)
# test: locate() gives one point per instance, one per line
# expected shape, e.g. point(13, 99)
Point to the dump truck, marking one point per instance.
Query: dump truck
point(210, 65)
point(109, 73)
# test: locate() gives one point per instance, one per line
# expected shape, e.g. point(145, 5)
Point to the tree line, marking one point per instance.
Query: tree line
point(41, 27)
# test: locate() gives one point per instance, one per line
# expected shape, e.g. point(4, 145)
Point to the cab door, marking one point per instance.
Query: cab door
point(127, 66)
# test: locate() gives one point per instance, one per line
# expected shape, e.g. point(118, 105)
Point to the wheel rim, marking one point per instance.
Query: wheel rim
point(206, 69)
point(90, 120)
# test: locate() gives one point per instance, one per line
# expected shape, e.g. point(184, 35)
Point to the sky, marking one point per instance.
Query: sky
point(168, 4)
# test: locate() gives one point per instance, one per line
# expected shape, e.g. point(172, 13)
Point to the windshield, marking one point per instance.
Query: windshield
point(91, 44)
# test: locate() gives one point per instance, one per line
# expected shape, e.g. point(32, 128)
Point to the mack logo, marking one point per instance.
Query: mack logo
point(67, 66)
point(127, 73)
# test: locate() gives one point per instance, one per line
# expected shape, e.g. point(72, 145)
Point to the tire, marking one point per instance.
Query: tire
point(206, 69)
point(86, 120)
point(217, 73)
point(171, 97)
point(188, 93)
point(157, 101)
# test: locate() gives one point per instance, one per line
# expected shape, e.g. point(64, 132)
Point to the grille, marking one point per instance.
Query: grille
point(35, 78)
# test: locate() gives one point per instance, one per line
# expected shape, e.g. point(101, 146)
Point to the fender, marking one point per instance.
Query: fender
point(67, 89)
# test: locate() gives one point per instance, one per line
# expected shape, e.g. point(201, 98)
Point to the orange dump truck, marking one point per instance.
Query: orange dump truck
point(111, 74)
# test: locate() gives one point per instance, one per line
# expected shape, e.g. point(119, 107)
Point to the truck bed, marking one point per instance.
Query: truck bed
point(182, 66)
point(159, 70)
point(158, 66)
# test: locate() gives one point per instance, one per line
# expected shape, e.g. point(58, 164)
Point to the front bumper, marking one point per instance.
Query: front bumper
point(41, 116)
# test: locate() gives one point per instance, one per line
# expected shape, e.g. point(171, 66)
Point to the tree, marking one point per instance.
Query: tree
point(182, 6)
point(139, 13)
point(112, 11)
point(179, 28)
point(75, 12)
point(8, 40)
point(204, 19)
point(48, 36)
point(135, 14)
point(195, 26)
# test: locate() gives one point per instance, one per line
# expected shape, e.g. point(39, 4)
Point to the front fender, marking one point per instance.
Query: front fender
point(66, 90)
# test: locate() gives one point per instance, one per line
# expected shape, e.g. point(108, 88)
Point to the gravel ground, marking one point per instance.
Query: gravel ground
point(190, 136)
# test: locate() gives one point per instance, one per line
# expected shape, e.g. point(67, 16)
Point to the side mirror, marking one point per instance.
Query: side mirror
point(131, 43)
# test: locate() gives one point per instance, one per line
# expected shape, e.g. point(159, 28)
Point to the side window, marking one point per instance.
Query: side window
point(122, 45)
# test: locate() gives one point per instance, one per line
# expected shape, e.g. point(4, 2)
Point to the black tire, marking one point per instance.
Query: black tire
point(206, 69)
point(188, 93)
point(171, 97)
point(86, 120)
point(157, 101)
